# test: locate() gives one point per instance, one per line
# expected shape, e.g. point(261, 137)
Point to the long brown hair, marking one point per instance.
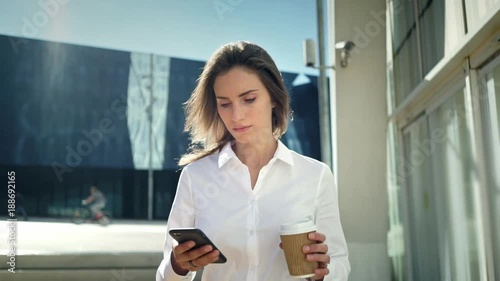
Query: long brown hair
point(207, 131)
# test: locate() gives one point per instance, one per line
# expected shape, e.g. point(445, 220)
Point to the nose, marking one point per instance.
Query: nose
point(238, 113)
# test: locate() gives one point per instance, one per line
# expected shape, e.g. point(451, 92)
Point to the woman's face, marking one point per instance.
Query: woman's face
point(244, 105)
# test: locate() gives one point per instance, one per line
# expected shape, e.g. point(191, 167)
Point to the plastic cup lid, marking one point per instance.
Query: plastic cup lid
point(303, 226)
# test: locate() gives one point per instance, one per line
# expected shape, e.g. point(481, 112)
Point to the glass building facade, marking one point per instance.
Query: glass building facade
point(76, 116)
point(444, 140)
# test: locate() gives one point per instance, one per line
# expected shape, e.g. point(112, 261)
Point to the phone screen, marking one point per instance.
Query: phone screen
point(182, 235)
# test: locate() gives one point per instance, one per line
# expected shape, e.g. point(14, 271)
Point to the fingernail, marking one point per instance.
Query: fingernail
point(208, 248)
point(311, 235)
point(306, 248)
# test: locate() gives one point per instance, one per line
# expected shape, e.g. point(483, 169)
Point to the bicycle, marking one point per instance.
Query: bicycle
point(84, 214)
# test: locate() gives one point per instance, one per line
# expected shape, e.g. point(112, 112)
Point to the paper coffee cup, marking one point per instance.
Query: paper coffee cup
point(294, 238)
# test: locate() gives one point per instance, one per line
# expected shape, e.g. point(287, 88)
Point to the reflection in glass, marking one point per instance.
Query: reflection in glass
point(454, 168)
point(422, 232)
point(405, 56)
point(432, 23)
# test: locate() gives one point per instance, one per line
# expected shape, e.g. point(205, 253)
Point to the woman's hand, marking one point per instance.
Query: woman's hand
point(318, 252)
point(184, 258)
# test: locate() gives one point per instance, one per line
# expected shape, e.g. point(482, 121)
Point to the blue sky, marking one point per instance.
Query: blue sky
point(190, 29)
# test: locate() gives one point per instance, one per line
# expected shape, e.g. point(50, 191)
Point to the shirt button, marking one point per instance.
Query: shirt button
point(252, 232)
point(252, 202)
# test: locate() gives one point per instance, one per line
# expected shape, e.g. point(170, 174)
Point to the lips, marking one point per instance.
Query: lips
point(241, 129)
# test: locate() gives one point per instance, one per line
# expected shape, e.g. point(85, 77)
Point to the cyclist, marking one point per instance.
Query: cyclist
point(98, 201)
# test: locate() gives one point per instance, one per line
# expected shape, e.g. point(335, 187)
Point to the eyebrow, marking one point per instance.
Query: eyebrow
point(240, 95)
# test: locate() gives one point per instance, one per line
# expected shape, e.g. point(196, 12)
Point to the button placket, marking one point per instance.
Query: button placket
point(253, 212)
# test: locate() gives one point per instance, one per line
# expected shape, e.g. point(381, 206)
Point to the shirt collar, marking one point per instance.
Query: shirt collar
point(282, 153)
point(226, 153)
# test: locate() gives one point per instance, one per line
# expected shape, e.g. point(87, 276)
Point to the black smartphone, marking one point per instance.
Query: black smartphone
point(194, 234)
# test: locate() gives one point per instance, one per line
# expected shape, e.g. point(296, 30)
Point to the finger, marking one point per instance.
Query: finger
point(198, 252)
point(320, 273)
point(184, 247)
point(206, 259)
point(281, 245)
point(321, 258)
point(192, 266)
point(322, 265)
point(193, 254)
point(315, 248)
point(317, 236)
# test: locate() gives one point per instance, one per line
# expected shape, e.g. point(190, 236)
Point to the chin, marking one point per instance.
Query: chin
point(242, 140)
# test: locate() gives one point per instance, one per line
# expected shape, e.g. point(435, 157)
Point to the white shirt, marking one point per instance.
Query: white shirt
point(215, 195)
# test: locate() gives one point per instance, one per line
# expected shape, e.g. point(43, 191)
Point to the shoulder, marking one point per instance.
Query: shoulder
point(203, 164)
point(312, 168)
point(303, 161)
point(304, 165)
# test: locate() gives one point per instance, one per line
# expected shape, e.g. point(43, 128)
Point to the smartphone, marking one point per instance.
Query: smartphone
point(187, 234)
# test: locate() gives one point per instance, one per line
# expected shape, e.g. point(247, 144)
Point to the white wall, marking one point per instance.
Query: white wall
point(359, 118)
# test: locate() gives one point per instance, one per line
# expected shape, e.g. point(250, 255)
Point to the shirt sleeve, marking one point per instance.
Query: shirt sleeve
point(328, 223)
point(181, 215)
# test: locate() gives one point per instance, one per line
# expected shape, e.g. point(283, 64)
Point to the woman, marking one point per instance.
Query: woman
point(240, 183)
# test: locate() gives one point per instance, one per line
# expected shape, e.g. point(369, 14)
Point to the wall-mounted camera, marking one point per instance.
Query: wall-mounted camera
point(345, 48)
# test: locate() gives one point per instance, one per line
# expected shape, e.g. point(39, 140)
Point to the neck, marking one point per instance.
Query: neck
point(256, 155)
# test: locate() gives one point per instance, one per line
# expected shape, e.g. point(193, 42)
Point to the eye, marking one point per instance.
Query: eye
point(225, 105)
point(250, 100)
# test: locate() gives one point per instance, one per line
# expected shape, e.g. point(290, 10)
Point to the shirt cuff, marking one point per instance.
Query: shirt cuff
point(166, 272)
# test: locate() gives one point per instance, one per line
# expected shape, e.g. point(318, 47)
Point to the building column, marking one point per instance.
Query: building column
point(359, 122)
